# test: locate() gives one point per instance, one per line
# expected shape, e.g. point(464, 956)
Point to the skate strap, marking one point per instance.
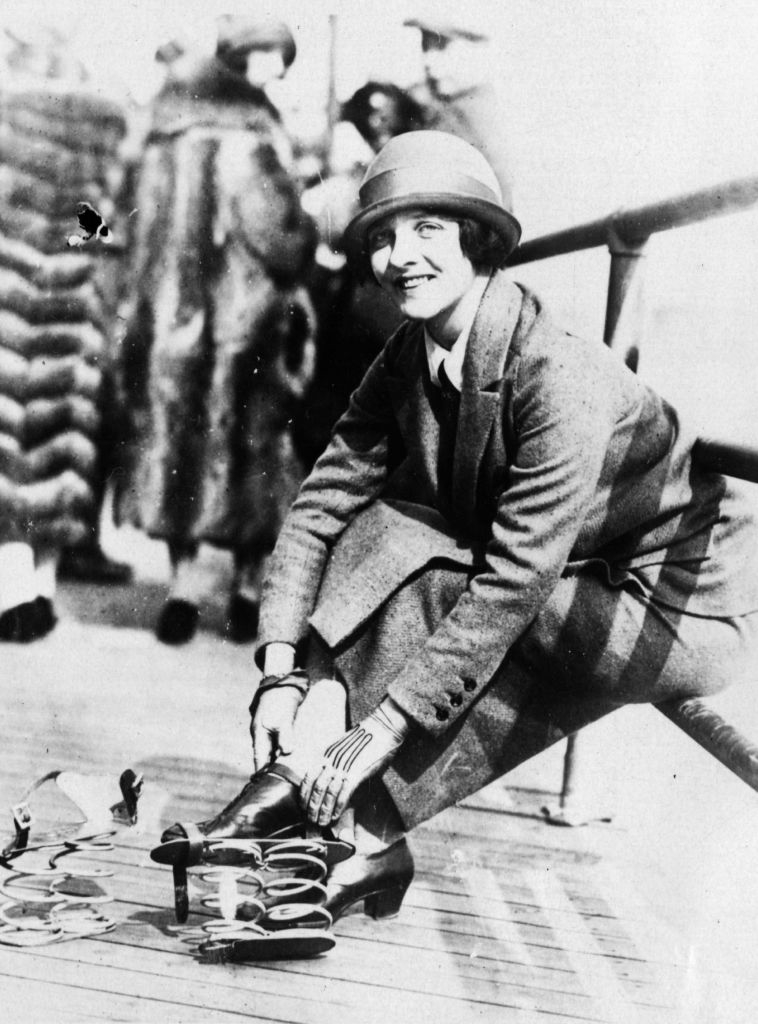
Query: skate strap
point(292, 944)
point(90, 795)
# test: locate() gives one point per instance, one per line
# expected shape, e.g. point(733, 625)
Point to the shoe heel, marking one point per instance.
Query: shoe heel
point(386, 903)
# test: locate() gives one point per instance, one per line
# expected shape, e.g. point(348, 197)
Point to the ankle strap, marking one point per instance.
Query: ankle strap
point(282, 771)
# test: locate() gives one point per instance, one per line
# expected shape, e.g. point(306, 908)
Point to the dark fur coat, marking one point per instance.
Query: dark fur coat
point(219, 348)
point(58, 147)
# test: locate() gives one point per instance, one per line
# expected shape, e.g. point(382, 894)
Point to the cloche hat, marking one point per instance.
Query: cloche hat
point(239, 34)
point(430, 169)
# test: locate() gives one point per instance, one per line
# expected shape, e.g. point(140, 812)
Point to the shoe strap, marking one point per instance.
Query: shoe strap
point(195, 840)
point(282, 771)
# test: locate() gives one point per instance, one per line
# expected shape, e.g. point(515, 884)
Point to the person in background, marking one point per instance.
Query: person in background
point(456, 95)
point(354, 320)
point(219, 347)
point(507, 538)
point(380, 111)
point(60, 143)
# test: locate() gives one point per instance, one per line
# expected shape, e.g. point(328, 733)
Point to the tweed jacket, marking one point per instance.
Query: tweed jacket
point(563, 460)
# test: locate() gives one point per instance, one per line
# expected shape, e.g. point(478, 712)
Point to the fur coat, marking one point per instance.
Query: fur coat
point(219, 346)
point(58, 147)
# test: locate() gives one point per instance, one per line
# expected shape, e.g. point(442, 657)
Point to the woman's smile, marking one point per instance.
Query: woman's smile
point(410, 282)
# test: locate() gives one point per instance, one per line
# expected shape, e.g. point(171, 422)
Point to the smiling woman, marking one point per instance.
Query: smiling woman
point(506, 539)
point(417, 259)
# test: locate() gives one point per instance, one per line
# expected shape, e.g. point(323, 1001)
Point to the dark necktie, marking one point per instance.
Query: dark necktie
point(451, 398)
point(449, 401)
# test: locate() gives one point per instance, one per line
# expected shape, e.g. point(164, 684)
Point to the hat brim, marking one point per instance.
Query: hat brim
point(356, 233)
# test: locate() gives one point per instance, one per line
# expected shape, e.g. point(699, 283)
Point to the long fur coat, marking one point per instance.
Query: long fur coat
point(219, 346)
point(58, 147)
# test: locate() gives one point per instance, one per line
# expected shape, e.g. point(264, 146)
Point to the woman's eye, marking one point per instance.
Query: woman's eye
point(378, 240)
point(428, 228)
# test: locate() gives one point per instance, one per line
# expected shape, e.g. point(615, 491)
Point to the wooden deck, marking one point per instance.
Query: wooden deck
point(508, 920)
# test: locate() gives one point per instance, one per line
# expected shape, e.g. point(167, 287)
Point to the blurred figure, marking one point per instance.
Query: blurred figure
point(354, 320)
point(58, 144)
point(219, 346)
point(455, 95)
point(381, 110)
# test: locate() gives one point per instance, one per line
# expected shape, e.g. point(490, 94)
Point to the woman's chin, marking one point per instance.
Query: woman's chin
point(416, 308)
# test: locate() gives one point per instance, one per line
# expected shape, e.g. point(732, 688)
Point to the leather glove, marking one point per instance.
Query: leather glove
point(273, 717)
point(365, 750)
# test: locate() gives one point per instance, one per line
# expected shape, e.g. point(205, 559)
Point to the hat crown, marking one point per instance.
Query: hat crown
point(430, 170)
point(243, 33)
point(435, 154)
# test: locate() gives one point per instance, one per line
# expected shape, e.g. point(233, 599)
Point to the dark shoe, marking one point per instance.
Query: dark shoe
point(242, 619)
point(268, 806)
point(21, 624)
point(379, 879)
point(177, 623)
point(46, 617)
point(91, 565)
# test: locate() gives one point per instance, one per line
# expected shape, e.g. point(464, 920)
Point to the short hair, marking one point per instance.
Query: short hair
point(357, 109)
point(481, 244)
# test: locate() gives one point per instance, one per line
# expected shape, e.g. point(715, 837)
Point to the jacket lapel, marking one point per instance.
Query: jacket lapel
point(483, 369)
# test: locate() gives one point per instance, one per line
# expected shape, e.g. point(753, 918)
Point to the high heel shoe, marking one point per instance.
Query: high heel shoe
point(242, 619)
point(267, 806)
point(380, 879)
point(177, 622)
point(46, 617)
point(23, 623)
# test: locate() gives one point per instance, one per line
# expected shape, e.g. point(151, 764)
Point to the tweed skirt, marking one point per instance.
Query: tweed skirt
point(601, 641)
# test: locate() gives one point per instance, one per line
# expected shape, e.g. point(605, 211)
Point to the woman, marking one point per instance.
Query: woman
point(219, 347)
point(60, 141)
point(506, 538)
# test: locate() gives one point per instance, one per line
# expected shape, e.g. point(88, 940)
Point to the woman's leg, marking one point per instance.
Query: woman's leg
point(594, 647)
point(244, 599)
point(19, 616)
point(45, 576)
point(177, 623)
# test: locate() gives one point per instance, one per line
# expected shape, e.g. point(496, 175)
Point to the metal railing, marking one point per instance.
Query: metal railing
point(625, 233)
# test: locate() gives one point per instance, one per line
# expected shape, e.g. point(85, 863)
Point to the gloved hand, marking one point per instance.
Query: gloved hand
point(362, 752)
point(273, 716)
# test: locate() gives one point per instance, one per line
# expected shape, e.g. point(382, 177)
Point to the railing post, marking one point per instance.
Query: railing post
point(624, 311)
point(624, 319)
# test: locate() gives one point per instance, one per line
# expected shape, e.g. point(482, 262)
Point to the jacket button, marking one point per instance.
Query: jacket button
point(469, 684)
point(442, 715)
point(456, 700)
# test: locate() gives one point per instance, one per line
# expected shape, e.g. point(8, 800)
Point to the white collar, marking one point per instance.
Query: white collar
point(453, 357)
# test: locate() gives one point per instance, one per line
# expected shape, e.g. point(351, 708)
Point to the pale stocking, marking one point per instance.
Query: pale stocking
point(17, 578)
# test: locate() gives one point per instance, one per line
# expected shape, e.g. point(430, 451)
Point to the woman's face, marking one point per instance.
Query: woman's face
point(416, 258)
point(383, 121)
point(264, 66)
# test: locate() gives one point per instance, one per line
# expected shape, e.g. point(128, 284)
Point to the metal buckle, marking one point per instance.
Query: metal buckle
point(22, 816)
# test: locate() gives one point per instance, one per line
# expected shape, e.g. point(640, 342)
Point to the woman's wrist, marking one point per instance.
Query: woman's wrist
point(400, 722)
point(279, 659)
